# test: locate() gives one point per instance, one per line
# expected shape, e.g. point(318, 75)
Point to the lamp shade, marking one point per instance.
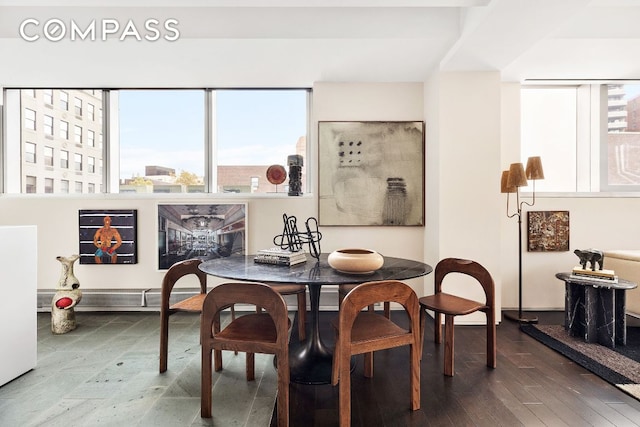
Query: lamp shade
point(534, 168)
point(517, 177)
point(504, 187)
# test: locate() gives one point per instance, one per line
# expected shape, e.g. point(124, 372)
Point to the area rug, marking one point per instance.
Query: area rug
point(620, 366)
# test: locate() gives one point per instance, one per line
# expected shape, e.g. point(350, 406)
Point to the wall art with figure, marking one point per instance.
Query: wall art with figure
point(108, 236)
point(371, 173)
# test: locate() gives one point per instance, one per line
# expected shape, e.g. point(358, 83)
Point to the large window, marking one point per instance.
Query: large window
point(587, 135)
point(162, 141)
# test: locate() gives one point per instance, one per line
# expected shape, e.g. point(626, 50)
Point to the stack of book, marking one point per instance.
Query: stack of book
point(279, 256)
point(600, 276)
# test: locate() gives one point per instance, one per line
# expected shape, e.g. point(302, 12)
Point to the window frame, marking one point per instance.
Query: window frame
point(108, 165)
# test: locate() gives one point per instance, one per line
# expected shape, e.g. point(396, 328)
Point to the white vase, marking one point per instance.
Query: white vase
point(355, 261)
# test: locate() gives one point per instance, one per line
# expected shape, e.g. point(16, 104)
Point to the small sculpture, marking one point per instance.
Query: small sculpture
point(292, 239)
point(67, 296)
point(592, 256)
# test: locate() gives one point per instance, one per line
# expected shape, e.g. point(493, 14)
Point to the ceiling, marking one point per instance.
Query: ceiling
point(298, 42)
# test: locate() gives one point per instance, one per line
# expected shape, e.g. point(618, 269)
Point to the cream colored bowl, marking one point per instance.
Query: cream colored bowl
point(355, 261)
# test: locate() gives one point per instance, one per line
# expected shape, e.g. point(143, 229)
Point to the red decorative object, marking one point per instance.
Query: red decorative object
point(276, 174)
point(64, 302)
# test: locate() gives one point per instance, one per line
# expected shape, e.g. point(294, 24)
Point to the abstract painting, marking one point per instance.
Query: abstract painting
point(548, 231)
point(108, 236)
point(371, 173)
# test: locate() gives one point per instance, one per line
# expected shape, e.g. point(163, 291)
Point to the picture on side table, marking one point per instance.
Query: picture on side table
point(108, 236)
point(205, 231)
point(548, 231)
point(371, 173)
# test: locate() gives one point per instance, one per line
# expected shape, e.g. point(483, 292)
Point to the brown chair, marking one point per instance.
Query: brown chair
point(359, 332)
point(192, 304)
point(452, 305)
point(301, 292)
point(251, 333)
point(344, 289)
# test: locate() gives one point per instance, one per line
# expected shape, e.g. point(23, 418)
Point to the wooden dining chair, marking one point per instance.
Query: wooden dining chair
point(359, 332)
point(300, 291)
point(452, 305)
point(344, 289)
point(264, 332)
point(191, 305)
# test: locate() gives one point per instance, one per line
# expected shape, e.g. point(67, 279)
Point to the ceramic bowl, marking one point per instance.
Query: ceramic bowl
point(355, 261)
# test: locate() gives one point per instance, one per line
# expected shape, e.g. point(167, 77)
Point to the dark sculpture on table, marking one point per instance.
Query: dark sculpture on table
point(292, 239)
point(591, 256)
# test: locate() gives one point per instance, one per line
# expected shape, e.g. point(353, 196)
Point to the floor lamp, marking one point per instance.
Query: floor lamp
point(510, 182)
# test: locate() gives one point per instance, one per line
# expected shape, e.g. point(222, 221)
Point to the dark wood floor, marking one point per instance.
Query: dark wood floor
point(531, 386)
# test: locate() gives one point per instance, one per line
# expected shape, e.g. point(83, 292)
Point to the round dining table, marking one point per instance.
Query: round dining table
point(310, 360)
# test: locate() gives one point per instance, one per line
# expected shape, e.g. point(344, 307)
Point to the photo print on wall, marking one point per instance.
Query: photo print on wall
point(108, 236)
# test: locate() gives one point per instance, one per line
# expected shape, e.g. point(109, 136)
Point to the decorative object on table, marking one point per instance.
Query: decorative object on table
point(276, 175)
point(355, 261)
point(510, 182)
point(594, 257)
point(204, 231)
point(547, 231)
point(295, 163)
point(279, 256)
point(371, 173)
point(67, 296)
point(293, 240)
point(108, 236)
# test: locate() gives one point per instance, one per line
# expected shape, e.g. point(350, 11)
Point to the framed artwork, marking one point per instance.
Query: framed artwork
point(108, 236)
point(547, 231)
point(205, 231)
point(371, 173)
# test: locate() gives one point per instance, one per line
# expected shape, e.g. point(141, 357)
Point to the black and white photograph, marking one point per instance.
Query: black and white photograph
point(205, 231)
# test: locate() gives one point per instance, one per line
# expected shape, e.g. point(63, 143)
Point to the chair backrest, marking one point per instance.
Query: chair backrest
point(370, 293)
point(179, 270)
point(258, 294)
point(470, 268)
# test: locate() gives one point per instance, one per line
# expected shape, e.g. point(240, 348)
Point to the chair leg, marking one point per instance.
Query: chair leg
point(335, 365)
point(217, 360)
point(414, 382)
point(491, 340)
point(368, 364)
point(423, 324)
point(437, 327)
point(302, 315)
point(164, 339)
point(205, 384)
point(448, 345)
point(387, 309)
point(345, 389)
point(250, 366)
point(283, 388)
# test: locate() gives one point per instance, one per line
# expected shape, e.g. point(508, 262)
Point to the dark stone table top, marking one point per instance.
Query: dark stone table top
point(243, 267)
point(622, 283)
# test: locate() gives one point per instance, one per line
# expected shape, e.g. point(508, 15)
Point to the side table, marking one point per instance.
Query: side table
point(595, 311)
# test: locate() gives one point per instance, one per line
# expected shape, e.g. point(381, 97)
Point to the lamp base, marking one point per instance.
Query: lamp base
point(519, 317)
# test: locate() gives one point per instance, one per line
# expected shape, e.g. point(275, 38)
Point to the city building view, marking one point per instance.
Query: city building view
point(623, 140)
point(63, 152)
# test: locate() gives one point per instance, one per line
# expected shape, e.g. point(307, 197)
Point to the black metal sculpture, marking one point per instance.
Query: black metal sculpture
point(592, 256)
point(293, 240)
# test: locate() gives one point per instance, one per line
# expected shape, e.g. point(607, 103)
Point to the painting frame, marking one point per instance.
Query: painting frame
point(200, 230)
point(548, 231)
point(108, 236)
point(371, 173)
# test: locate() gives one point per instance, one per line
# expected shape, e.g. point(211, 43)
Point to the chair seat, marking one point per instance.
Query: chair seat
point(288, 289)
point(255, 327)
point(370, 327)
point(450, 304)
point(193, 304)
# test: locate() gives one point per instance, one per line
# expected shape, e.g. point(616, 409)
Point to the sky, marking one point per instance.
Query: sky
point(166, 128)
